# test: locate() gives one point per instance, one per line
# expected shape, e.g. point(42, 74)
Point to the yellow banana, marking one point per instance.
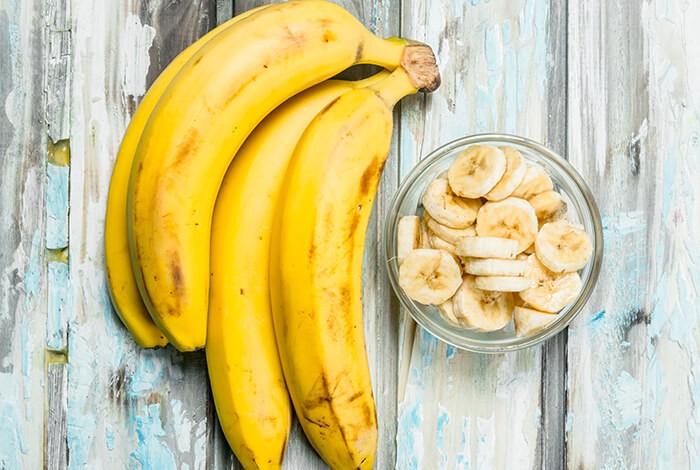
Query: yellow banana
point(216, 100)
point(122, 285)
point(244, 369)
point(316, 263)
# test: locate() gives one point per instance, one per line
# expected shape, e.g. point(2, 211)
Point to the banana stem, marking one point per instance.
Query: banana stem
point(418, 72)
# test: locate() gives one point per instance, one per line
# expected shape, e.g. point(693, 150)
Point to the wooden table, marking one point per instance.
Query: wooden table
point(613, 85)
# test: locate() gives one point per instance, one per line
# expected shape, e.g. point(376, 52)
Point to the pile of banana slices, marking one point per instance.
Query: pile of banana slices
point(493, 243)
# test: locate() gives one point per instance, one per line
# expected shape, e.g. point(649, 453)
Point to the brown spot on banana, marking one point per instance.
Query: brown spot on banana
point(187, 147)
point(360, 51)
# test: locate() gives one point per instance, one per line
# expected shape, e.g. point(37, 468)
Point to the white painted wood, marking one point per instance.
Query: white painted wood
point(22, 220)
point(463, 410)
point(634, 73)
point(127, 407)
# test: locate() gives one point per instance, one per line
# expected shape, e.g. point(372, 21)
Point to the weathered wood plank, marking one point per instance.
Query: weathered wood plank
point(57, 390)
point(126, 406)
point(552, 445)
point(463, 410)
point(22, 220)
point(633, 354)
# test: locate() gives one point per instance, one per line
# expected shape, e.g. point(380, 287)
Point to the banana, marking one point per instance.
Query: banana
point(199, 124)
point(494, 267)
point(528, 321)
point(122, 285)
point(549, 292)
point(447, 208)
point(487, 247)
point(447, 312)
point(316, 262)
point(563, 247)
point(408, 236)
point(535, 181)
point(549, 206)
point(511, 218)
point(449, 234)
point(476, 170)
point(424, 234)
point(515, 172)
point(244, 368)
point(440, 244)
point(430, 277)
point(502, 283)
point(481, 310)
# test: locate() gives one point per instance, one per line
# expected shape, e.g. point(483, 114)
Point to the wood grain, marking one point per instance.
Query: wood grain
point(57, 391)
point(633, 132)
point(458, 409)
point(23, 48)
point(126, 406)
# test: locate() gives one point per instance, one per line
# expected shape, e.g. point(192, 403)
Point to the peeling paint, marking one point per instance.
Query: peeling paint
point(136, 41)
point(151, 452)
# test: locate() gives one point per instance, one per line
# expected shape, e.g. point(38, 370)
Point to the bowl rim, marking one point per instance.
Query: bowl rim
point(558, 325)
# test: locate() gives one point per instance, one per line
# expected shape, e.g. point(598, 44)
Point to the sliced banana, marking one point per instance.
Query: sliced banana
point(440, 244)
point(549, 292)
point(476, 170)
point(502, 283)
point(494, 267)
point(424, 234)
point(429, 276)
point(447, 208)
point(482, 310)
point(563, 247)
point(449, 234)
point(535, 181)
point(408, 237)
point(487, 247)
point(510, 218)
point(528, 321)
point(548, 206)
point(447, 312)
point(529, 250)
point(515, 172)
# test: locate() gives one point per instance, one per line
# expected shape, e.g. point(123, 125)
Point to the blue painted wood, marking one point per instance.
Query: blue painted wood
point(22, 219)
point(57, 206)
point(58, 306)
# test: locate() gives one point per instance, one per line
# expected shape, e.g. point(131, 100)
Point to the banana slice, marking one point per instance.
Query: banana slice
point(528, 321)
point(408, 237)
point(563, 247)
point(549, 206)
point(447, 208)
point(487, 247)
point(529, 250)
point(502, 283)
point(494, 267)
point(424, 234)
point(550, 292)
point(482, 310)
point(476, 170)
point(535, 181)
point(515, 172)
point(449, 234)
point(510, 218)
point(447, 312)
point(440, 244)
point(429, 276)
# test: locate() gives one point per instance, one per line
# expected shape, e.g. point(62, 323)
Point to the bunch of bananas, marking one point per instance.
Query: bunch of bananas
point(258, 258)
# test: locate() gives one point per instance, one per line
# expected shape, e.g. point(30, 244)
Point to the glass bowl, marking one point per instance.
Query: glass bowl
point(581, 209)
